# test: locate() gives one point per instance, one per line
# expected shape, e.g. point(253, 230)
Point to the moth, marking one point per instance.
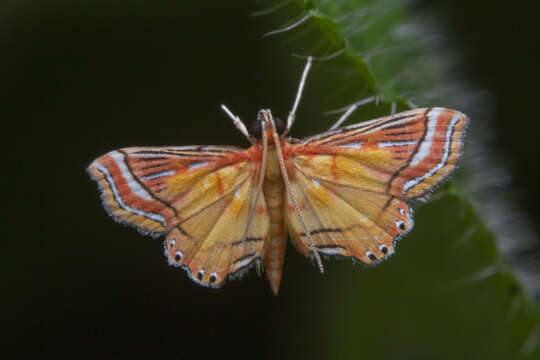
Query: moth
point(224, 209)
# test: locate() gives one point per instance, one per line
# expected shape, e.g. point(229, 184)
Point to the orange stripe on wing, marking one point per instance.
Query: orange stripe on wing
point(135, 196)
point(435, 156)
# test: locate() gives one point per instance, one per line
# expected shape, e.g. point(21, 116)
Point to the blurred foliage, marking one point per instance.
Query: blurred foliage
point(449, 293)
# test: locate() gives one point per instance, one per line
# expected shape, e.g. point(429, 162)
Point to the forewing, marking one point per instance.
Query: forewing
point(153, 188)
point(404, 155)
point(352, 183)
point(199, 196)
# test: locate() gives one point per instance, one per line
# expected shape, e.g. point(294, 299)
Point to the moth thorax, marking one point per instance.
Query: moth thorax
point(255, 128)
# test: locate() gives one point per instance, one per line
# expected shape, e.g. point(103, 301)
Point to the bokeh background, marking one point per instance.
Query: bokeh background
point(81, 78)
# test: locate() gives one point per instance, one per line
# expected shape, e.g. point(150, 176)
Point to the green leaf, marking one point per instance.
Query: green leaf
point(449, 292)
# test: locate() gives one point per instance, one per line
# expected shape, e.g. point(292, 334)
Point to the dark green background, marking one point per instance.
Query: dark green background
point(83, 78)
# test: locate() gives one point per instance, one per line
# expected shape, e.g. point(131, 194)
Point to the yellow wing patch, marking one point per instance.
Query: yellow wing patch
point(366, 169)
point(194, 195)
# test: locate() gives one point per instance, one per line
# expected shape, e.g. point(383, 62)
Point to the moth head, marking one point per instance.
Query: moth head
point(256, 127)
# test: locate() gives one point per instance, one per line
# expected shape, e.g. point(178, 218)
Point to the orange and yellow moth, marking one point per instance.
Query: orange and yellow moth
point(340, 193)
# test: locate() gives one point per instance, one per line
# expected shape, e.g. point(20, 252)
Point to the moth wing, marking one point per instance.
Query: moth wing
point(404, 155)
point(199, 196)
point(346, 221)
point(352, 183)
point(222, 240)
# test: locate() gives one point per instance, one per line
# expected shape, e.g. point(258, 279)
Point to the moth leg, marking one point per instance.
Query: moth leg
point(292, 114)
point(350, 109)
point(238, 123)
